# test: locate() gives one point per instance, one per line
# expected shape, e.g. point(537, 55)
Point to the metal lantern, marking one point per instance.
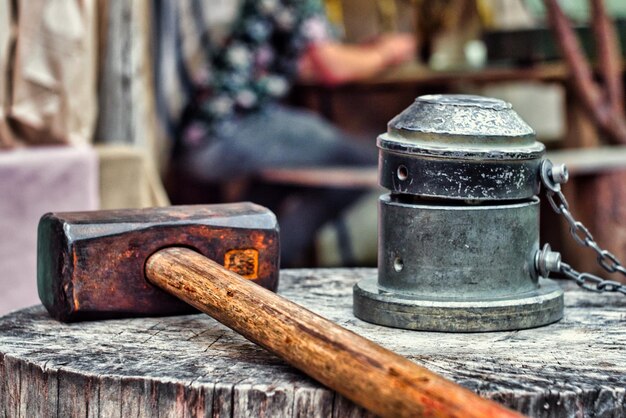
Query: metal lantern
point(458, 242)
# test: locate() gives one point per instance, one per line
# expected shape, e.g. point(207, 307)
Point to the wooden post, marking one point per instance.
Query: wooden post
point(193, 366)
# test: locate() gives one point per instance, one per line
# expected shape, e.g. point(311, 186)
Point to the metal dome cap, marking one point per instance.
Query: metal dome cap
point(460, 147)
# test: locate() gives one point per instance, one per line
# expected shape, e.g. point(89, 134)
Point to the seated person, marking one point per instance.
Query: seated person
point(235, 125)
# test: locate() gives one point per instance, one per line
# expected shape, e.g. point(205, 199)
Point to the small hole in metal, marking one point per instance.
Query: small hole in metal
point(398, 264)
point(402, 173)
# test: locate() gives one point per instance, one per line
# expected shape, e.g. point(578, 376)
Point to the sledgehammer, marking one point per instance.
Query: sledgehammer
point(106, 264)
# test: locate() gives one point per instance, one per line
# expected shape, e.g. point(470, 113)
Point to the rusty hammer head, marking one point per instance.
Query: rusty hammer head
point(90, 265)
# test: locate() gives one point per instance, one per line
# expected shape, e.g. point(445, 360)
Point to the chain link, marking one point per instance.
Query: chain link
point(590, 281)
point(583, 237)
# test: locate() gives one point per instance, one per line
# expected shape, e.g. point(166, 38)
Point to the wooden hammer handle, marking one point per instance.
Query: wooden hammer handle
point(383, 382)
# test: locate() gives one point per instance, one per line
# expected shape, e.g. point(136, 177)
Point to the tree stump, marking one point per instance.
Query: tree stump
point(193, 366)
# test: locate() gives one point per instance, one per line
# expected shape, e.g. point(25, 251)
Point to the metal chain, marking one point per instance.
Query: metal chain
point(583, 237)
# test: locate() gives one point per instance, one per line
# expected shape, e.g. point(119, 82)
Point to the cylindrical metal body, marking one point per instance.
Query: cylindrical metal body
point(459, 230)
point(463, 252)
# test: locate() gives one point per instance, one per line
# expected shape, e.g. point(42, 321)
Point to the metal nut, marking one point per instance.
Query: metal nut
point(559, 174)
point(547, 261)
point(552, 176)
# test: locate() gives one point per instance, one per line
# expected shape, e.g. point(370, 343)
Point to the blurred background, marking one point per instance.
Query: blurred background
point(117, 104)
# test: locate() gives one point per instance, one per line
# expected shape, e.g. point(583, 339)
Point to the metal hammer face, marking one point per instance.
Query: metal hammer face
point(90, 265)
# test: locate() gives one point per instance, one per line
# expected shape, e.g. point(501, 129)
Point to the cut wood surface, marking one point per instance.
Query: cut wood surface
point(194, 366)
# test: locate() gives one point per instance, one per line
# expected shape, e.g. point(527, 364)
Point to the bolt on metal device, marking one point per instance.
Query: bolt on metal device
point(458, 242)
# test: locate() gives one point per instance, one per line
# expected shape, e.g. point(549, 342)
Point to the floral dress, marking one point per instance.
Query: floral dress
point(255, 65)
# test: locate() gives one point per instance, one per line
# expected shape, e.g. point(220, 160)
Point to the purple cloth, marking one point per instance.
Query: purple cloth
point(34, 181)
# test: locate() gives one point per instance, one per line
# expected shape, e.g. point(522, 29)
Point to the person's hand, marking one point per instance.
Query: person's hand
point(396, 48)
point(334, 63)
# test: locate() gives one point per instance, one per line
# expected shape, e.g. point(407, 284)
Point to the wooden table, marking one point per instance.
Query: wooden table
point(367, 105)
point(193, 366)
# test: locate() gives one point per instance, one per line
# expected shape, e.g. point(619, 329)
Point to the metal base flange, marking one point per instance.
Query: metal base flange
point(529, 310)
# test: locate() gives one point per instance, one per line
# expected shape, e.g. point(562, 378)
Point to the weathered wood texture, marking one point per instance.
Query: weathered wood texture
point(193, 366)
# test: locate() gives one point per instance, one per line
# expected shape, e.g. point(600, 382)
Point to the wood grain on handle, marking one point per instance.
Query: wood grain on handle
point(371, 376)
